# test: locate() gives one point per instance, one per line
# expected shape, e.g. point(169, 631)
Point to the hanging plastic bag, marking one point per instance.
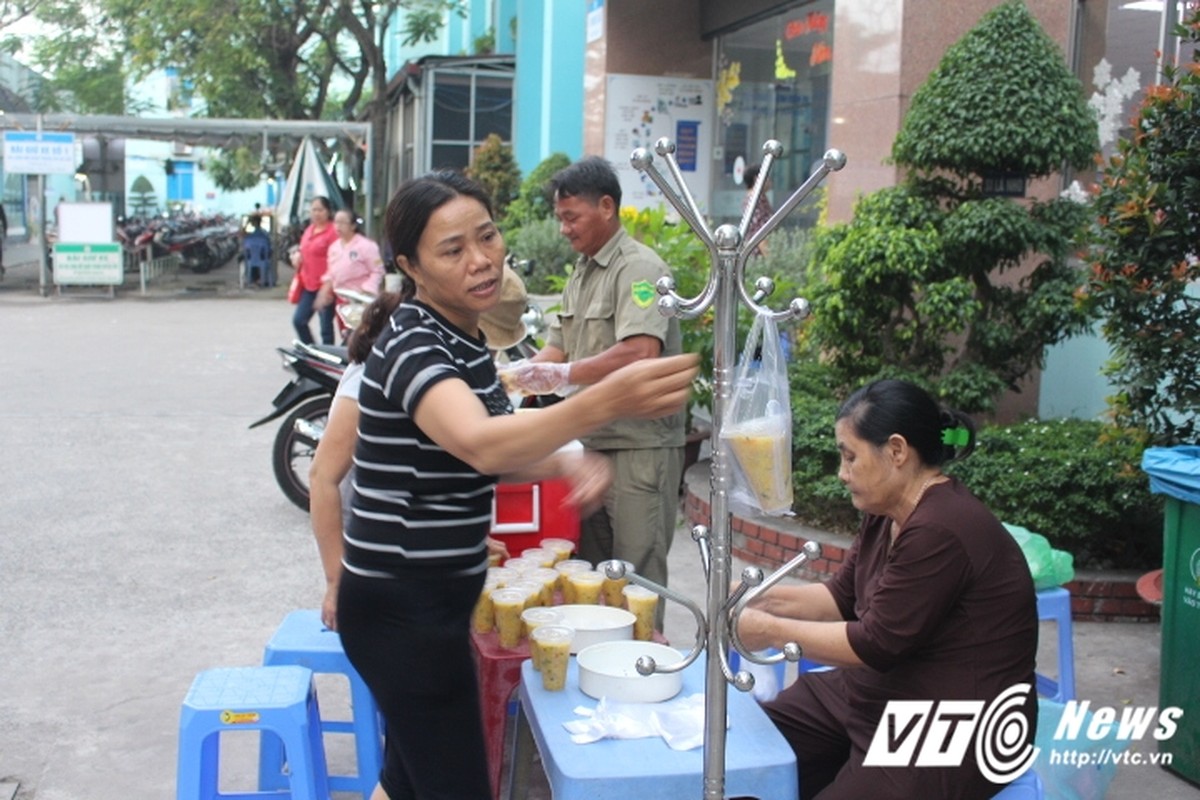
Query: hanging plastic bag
point(758, 423)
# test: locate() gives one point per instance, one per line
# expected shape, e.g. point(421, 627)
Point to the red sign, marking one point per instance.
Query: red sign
point(814, 22)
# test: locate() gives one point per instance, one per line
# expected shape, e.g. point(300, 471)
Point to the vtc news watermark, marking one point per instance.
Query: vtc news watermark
point(929, 733)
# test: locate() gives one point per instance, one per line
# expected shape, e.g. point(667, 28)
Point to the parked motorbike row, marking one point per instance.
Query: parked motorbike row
point(306, 399)
point(202, 241)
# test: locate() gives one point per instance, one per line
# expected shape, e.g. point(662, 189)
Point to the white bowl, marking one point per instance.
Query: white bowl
point(609, 670)
point(595, 624)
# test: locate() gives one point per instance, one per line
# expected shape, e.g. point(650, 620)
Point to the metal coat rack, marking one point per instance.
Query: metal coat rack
point(716, 629)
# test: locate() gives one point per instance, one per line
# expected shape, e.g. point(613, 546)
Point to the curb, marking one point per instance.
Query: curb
point(1096, 596)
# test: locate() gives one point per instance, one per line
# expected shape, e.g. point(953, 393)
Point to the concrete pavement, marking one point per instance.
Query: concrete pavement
point(145, 538)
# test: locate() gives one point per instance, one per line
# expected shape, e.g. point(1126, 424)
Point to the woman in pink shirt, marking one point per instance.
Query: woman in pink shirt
point(311, 264)
point(354, 261)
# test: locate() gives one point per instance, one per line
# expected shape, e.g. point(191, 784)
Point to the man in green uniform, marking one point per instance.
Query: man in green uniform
point(608, 319)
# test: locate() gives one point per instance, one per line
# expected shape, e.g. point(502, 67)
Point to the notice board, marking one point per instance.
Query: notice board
point(641, 109)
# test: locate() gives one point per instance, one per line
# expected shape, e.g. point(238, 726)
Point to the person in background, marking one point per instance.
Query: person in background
point(933, 602)
point(608, 319)
point(762, 209)
point(256, 249)
point(329, 492)
point(436, 432)
point(310, 261)
point(3, 235)
point(354, 261)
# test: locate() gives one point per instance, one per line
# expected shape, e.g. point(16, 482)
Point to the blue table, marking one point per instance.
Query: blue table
point(758, 761)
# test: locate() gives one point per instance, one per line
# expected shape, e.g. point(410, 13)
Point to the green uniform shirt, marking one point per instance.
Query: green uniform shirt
point(609, 298)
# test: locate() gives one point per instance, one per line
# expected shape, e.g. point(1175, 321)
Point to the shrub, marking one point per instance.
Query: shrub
point(1077, 483)
point(532, 203)
point(1144, 265)
point(551, 253)
point(495, 168)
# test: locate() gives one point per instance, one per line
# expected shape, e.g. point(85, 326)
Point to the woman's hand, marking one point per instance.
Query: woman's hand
point(590, 475)
point(756, 629)
point(495, 547)
point(324, 296)
point(329, 607)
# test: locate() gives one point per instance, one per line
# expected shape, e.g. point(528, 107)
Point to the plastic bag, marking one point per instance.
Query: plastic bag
point(295, 289)
point(679, 722)
point(758, 423)
point(1078, 768)
point(1049, 567)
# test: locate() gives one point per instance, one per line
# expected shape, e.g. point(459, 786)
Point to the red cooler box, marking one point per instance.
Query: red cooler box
point(525, 513)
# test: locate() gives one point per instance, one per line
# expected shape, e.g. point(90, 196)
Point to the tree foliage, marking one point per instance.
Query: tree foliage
point(919, 283)
point(1002, 100)
point(1144, 262)
point(269, 59)
point(495, 168)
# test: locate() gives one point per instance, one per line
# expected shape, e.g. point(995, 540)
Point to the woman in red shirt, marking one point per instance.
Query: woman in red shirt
point(311, 263)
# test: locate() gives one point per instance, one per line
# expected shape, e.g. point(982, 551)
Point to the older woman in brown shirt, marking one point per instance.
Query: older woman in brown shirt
point(934, 602)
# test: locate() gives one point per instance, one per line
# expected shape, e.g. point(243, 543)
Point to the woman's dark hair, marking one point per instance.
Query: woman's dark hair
point(750, 175)
point(374, 318)
point(324, 201)
point(883, 408)
point(590, 178)
point(413, 204)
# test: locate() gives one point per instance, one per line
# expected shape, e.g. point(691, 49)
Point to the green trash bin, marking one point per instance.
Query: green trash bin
point(1175, 472)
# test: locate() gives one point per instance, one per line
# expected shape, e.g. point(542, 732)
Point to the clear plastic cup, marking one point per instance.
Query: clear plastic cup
point(562, 548)
point(586, 587)
point(507, 604)
point(611, 588)
point(534, 618)
point(544, 557)
point(643, 604)
point(548, 578)
point(502, 576)
point(521, 565)
point(483, 618)
point(565, 568)
point(531, 588)
point(550, 648)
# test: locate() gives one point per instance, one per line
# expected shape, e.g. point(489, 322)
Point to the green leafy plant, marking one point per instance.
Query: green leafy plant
point(495, 168)
point(532, 203)
point(551, 253)
point(916, 282)
point(1144, 257)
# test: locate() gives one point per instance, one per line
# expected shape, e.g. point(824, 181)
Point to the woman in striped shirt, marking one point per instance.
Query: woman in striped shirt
point(436, 432)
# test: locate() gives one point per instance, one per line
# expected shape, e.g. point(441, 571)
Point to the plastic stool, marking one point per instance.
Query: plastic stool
point(1055, 604)
point(1027, 787)
point(279, 700)
point(304, 640)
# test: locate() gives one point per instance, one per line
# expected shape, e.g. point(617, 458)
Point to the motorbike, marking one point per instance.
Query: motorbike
point(307, 398)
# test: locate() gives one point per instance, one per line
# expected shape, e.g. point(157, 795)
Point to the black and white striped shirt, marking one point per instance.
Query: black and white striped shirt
point(415, 506)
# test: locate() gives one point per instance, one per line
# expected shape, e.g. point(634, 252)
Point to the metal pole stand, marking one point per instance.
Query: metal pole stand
point(716, 630)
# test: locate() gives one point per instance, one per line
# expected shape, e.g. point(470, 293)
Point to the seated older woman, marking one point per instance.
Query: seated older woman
point(934, 602)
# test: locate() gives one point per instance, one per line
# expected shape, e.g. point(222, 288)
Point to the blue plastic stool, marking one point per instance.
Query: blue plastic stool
point(279, 700)
point(1055, 604)
point(1027, 787)
point(304, 640)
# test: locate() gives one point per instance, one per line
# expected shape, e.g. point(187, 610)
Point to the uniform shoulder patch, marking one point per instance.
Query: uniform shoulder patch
point(643, 293)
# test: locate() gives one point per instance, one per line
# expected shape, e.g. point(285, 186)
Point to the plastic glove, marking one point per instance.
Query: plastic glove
point(541, 377)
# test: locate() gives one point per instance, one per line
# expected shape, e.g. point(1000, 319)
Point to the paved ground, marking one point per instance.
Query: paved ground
point(144, 538)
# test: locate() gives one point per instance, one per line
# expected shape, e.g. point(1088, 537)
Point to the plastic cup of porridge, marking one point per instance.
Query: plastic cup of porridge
point(611, 588)
point(534, 618)
point(565, 568)
point(550, 648)
point(643, 604)
point(501, 576)
point(562, 548)
point(586, 587)
point(521, 565)
point(483, 617)
point(542, 556)
point(507, 605)
point(548, 578)
point(531, 588)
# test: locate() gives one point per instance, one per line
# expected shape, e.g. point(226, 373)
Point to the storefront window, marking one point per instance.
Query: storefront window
point(773, 83)
point(467, 107)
